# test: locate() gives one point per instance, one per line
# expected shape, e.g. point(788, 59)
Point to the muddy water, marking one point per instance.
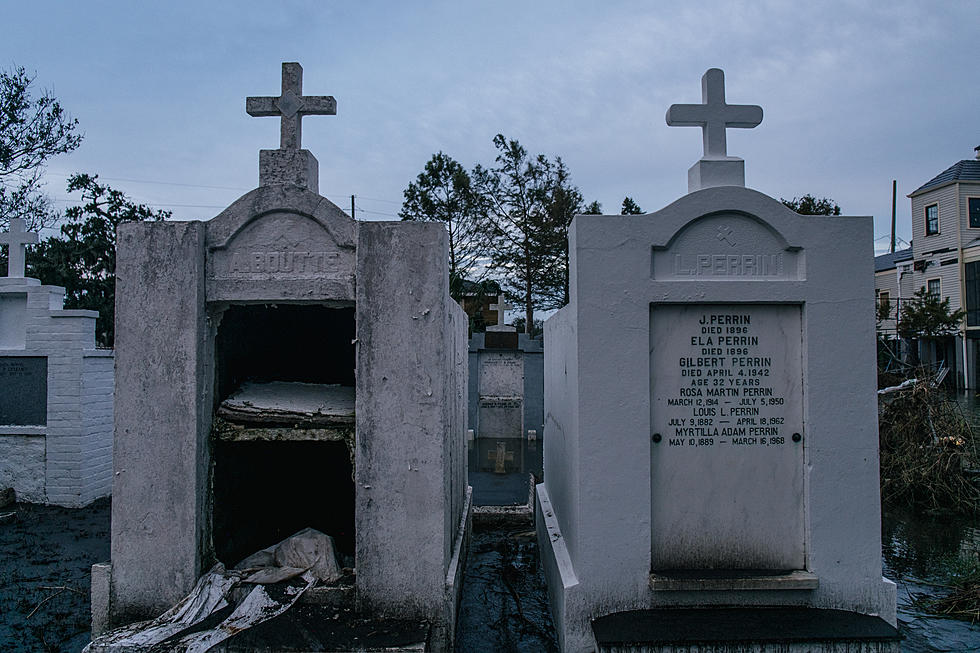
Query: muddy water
point(499, 469)
point(918, 553)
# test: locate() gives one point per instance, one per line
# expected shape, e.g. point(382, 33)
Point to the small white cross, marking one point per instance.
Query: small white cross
point(714, 116)
point(500, 307)
point(500, 458)
point(291, 106)
point(18, 238)
point(725, 235)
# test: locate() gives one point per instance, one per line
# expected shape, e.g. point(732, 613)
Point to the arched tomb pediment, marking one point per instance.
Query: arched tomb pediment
point(751, 240)
point(281, 243)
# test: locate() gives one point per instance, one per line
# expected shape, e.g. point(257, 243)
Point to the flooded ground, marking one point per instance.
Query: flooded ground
point(499, 467)
point(46, 555)
point(918, 553)
point(47, 552)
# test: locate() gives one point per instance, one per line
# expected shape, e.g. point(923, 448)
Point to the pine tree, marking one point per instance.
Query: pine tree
point(528, 203)
point(443, 192)
point(630, 207)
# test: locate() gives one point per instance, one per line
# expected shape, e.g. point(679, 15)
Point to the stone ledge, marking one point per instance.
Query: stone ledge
point(732, 579)
point(98, 353)
point(22, 430)
point(765, 629)
point(72, 312)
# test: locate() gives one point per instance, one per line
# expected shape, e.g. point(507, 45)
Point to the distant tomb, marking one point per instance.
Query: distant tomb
point(55, 390)
point(506, 397)
point(283, 366)
point(711, 432)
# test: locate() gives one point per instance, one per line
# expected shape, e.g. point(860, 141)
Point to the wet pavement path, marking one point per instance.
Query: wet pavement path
point(505, 601)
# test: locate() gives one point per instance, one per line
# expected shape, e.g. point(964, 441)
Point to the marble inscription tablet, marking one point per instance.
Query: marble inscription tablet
point(726, 401)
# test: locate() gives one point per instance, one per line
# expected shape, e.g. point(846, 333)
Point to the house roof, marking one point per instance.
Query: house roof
point(891, 260)
point(965, 170)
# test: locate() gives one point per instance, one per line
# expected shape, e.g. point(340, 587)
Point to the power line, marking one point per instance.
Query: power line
point(375, 199)
point(160, 183)
point(181, 206)
point(362, 210)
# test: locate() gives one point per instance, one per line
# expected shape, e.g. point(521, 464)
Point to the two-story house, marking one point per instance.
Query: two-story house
point(945, 260)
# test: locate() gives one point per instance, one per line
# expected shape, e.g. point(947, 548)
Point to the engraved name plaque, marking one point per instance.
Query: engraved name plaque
point(727, 436)
point(726, 247)
point(24, 394)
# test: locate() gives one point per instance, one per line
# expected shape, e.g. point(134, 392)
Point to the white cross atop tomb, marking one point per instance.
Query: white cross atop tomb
point(501, 307)
point(290, 164)
point(18, 238)
point(714, 116)
point(291, 106)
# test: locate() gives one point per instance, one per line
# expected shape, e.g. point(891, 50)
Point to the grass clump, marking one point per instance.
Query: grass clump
point(962, 598)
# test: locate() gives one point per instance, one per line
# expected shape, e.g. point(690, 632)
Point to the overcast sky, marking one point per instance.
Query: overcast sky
point(855, 94)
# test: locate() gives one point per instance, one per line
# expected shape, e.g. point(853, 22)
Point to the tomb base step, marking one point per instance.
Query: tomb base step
point(313, 628)
point(747, 630)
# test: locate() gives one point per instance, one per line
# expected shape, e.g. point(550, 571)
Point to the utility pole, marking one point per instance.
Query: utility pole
point(893, 218)
point(894, 189)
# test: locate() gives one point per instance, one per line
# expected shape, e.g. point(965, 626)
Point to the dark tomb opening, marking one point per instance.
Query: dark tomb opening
point(266, 491)
point(284, 342)
point(283, 427)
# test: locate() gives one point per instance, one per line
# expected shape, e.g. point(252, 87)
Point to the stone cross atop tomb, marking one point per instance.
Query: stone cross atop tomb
point(501, 307)
point(18, 238)
point(714, 116)
point(290, 164)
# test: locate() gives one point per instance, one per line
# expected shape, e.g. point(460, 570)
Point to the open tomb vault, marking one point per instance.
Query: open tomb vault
point(279, 296)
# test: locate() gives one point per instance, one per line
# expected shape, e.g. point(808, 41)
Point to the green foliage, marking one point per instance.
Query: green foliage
point(31, 131)
point(925, 315)
point(810, 205)
point(630, 207)
point(593, 209)
point(83, 257)
point(529, 203)
point(443, 192)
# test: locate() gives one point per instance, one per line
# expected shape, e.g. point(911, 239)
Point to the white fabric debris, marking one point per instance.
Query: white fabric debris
point(901, 386)
point(257, 607)
point(208, 596)
point(309, 549)
point(280, 573)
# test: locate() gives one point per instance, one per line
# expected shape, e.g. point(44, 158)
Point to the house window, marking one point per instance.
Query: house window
point(932, 219)
point(972, 274)
point(973, 208)
point(934, 287)
point(884, 306)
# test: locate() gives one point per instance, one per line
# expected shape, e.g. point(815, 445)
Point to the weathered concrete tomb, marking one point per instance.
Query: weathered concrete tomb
point(282, 367)
point(55, 390)
point(710, 450)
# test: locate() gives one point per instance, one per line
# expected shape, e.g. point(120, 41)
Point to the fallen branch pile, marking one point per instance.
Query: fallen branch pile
point(928, 451)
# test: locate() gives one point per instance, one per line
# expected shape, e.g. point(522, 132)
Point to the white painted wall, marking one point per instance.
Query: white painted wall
point(68, 460)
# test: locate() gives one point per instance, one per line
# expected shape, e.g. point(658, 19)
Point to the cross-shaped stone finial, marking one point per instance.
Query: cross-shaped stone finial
point(18, 238)
point(500, 307)
point(714, 116)
point(291, 106)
